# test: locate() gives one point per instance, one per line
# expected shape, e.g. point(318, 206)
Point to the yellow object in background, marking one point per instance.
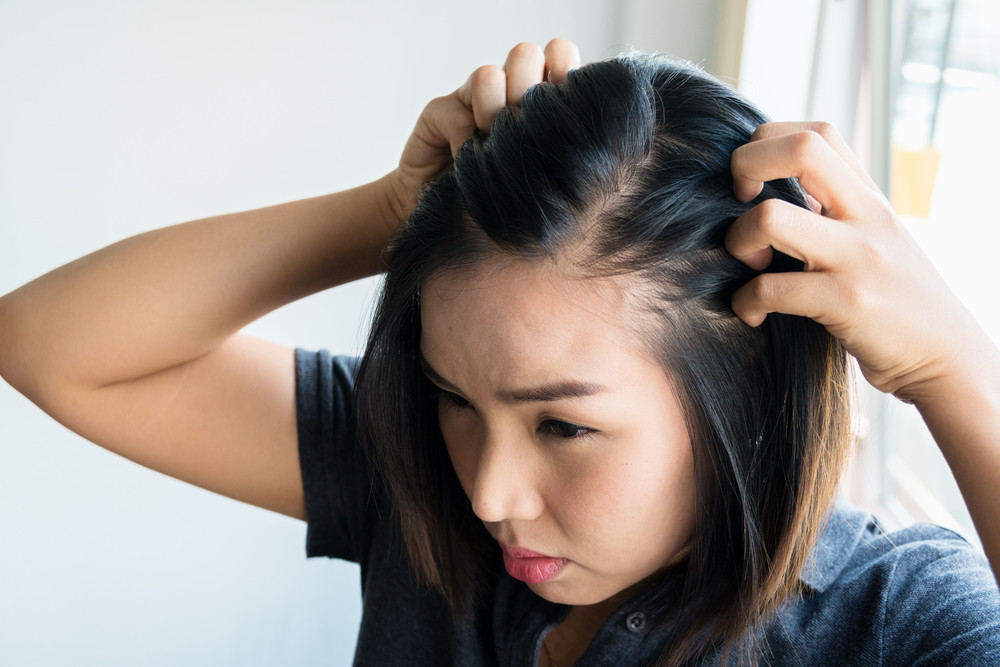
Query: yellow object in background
point(912, 182)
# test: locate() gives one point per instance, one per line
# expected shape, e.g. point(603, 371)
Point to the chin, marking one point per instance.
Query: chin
point(569, 594)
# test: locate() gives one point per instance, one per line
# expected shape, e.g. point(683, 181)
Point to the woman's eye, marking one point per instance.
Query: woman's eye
point(565, 430)
point(454, 399)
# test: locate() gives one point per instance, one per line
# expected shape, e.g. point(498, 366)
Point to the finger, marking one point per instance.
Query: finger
point(561, 55)
point(808, 157)
point(779, 225)
point(446, 122)
point(825, 130)
point(525, 66)
point(485, 93)
point(811, 295)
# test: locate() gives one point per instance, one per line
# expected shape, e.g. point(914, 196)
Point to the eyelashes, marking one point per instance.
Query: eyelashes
point(553, 428)
point(452, 399)
point(456, 400)
point(566, 430)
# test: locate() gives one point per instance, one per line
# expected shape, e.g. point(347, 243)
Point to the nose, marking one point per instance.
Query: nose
point(505, 485)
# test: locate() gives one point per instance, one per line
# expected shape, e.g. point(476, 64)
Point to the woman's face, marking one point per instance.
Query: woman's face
point(567, 438)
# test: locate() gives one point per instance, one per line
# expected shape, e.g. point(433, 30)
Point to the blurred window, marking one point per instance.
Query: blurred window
point(944, 141)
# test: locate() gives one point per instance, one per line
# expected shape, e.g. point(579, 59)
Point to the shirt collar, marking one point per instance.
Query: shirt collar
point(846, 527)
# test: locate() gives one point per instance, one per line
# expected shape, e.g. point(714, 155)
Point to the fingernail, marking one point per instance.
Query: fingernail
point(813, 203)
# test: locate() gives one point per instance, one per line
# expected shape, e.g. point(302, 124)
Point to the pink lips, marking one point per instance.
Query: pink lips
point(531, 567)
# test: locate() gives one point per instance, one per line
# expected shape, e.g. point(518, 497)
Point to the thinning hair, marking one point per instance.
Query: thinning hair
point(627, 163)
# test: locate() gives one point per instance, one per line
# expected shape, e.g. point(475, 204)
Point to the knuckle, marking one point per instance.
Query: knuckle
point(738, 160)
point(854, 297)
point(885, 218)
point(524, 50)
point(763, 289)
point(870, 252)
point(438, 103)
point(825, 130)
point(445, 102)
point(762, 131)
point(806, 145)
point(770, 215)
point(461, 125)
point(874, 258)
point(559, 44)
point(487, 75)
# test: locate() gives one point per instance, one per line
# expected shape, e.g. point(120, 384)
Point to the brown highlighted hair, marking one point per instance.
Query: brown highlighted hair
point(628, 162)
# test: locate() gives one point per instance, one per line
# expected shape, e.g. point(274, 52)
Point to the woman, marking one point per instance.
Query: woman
point(550, 381)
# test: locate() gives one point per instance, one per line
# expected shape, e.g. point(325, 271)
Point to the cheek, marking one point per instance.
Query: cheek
point(642, 494)
point(670, 498)
point(664, 482)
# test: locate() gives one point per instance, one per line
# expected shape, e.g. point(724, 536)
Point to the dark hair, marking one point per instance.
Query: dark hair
point(636, 151)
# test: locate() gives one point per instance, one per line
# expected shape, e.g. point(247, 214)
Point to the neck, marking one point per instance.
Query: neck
point(568, 641)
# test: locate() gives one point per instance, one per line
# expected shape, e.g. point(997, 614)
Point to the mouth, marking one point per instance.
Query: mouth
point(529, 566)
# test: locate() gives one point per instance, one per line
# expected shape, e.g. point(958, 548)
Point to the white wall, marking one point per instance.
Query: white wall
point(777, 55)
point(117, 117)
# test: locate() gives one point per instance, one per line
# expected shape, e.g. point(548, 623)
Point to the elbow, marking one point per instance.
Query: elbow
point(14, 359)
point(8, 355)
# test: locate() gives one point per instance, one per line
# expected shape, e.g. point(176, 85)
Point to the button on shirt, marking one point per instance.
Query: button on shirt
point(636, 621)
point(921, 595)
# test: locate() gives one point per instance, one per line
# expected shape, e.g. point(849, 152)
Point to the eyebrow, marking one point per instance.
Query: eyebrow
point(554, 391)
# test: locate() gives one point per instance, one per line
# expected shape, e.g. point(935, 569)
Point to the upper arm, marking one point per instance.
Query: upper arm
point(225, 421)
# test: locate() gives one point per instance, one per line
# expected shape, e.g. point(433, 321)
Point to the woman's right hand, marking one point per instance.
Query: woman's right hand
point(448, 122)
point(136, 347)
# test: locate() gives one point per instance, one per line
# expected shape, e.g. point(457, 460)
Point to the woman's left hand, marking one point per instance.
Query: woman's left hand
point(869, 284)
point(865, 278)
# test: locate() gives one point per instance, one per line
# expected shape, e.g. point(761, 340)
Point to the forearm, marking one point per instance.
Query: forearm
point(962, 411)
point(165, 297)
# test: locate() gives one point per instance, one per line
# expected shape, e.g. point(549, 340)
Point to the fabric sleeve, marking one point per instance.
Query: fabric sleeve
point(943, 606)
point(339, 499)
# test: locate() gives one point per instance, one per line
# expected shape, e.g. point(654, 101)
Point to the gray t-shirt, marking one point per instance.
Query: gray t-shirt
point(921, 595)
